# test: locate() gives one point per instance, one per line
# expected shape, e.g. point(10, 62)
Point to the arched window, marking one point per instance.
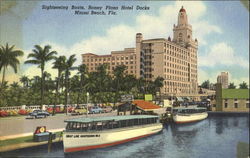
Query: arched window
point(180, 37)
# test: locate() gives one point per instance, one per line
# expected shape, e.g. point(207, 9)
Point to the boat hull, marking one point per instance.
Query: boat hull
point(78, 141)
point(187, 118)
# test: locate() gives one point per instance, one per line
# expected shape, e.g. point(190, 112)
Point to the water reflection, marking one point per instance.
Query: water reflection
point(219, 126)
point(235, 122)
point(183, 135)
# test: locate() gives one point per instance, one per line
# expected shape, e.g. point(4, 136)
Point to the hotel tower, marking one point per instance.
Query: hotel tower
point(173, 59)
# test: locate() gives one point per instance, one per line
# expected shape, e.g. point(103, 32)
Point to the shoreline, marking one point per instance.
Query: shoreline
point(18, 146)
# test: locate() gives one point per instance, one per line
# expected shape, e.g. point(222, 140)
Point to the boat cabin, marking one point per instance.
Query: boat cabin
point(189, 110)
point(107, 123)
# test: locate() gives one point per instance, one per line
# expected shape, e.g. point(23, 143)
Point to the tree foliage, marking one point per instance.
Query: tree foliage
point(39, 57)
point(243, 85)
point(66, 88)
point(205, 84)
point(231, 86)
point(9, 57)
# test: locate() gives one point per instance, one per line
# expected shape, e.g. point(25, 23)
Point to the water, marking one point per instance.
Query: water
point(215, 137)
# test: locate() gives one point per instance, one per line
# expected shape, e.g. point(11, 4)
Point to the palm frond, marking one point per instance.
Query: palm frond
point(32, 62)
point(14, 66)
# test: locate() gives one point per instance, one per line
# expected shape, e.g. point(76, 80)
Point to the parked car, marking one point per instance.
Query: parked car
point(107, 109)
point(80, 111)
point(38, 114)
point(95, 110)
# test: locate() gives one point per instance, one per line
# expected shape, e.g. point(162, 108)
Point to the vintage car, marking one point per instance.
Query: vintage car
point(95, 110)
point(79, 111)
point(38, 114)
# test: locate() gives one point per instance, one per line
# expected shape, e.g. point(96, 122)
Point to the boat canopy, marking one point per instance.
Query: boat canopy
point(110, 118)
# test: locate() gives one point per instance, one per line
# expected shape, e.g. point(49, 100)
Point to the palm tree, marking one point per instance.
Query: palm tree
point(243, 85)
point(60, 65)
point(68, 66)
point(91, 86)
point(119, 76)
point(9, 57)
point(39, 57)
point(82, 71)
point(158, 83)
point(231, 86)
point(14, 85)
point(25, 81)
point(102, 78)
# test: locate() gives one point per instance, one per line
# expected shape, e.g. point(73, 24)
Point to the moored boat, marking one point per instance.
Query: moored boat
point(99, 132)
point(189, 114)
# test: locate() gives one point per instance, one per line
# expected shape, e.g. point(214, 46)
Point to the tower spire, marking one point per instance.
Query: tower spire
point(182, 31)
point(182, 17)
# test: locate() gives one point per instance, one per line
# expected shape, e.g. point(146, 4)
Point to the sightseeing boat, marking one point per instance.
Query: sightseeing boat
point(189, 114)
point(98, 132)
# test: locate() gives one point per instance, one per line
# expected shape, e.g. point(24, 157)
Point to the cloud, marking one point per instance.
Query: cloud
point(151, 26)
point(222, 54)
point(123, 36)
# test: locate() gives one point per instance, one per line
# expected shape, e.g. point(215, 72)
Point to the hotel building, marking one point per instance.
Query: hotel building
point(175, 60)
point(223, 79)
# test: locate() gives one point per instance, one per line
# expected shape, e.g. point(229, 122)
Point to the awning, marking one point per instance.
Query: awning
point(145, 105)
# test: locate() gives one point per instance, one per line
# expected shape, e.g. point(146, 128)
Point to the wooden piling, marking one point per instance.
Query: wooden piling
point(49, 142)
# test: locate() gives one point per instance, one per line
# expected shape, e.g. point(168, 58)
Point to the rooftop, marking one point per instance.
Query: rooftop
point(109, 118)
point(145, 105)
point(235, 93)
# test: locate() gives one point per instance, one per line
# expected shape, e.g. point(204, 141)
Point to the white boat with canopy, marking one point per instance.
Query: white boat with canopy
point(189, 114)
point(98, 132)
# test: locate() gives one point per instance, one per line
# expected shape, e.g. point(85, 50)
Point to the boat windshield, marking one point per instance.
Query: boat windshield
point(106, 125)
point(190, 111)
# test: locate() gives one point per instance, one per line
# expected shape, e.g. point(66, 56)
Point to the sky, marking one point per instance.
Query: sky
point(221, 28)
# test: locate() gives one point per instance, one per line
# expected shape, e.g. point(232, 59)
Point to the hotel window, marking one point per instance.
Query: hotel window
point(126, 58)
point(225, 105)
point(235, 105)
point(131, 57)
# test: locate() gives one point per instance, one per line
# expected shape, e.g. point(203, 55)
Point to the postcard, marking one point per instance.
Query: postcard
point(124, 78)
